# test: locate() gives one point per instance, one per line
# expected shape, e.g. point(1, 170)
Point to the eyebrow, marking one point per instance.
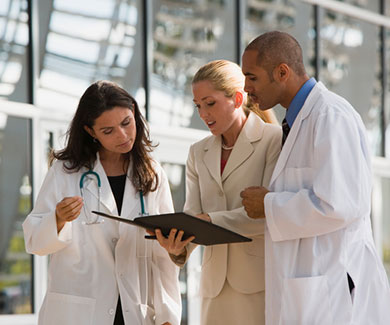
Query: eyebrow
point(248, 74)
point(202, 98)
point(110, 127)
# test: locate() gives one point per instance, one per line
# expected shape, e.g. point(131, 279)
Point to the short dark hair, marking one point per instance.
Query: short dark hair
point(274, 48)
point(81, 149)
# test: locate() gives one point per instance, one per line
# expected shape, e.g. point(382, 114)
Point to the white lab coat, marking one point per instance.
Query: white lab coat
point(318, 223)
point(91, 264)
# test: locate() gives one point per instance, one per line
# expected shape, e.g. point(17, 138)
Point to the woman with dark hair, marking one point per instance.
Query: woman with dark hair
point(104, 273)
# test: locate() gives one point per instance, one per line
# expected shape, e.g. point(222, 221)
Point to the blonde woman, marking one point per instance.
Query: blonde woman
point(241, 152)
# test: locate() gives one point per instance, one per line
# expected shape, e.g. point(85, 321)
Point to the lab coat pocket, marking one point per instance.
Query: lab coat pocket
point(305, 301)
point(62, 309)
point(148, 314)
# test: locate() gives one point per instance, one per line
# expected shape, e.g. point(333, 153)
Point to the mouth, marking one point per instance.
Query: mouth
point(125, 144)
point(210, 124)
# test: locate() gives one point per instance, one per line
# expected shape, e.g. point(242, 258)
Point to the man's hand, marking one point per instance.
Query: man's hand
point(253, 201)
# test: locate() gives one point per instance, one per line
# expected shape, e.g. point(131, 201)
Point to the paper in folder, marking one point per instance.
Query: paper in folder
point(205, 232)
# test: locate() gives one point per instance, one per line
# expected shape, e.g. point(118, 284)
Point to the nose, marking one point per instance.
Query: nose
point(202, 113)
point(122, 133)
point(247, 87)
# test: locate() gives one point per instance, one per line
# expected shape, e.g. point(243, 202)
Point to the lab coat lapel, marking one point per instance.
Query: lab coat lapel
point(107, 198)
point(302, 115)
point(212, 158)
point(131, 206)
point(243, 148)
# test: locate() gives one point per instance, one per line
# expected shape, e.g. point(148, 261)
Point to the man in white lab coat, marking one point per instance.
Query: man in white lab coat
point(321, 263)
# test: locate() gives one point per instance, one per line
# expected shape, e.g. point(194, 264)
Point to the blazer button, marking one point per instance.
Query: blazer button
point(220, 193)
point(111, 311)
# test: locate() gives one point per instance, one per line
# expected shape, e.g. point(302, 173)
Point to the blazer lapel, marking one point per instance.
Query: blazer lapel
point(302, 115)
point(243, 148)
point(212, 158)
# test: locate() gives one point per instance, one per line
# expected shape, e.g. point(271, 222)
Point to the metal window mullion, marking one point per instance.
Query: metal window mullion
point(384, 80)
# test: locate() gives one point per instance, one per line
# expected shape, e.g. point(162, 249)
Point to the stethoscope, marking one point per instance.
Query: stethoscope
point(144, 297)
point(99, 186)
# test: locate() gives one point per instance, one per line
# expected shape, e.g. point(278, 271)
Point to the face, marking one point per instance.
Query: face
point(258, 84)
point(115, 129)
point(216, 110)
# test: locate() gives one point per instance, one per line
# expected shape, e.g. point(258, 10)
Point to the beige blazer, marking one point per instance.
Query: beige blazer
point(207, 191)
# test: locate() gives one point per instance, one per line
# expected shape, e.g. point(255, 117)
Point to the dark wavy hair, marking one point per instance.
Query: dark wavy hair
point(81, 150)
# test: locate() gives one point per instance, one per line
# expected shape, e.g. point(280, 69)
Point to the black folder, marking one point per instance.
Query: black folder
point(206, 233)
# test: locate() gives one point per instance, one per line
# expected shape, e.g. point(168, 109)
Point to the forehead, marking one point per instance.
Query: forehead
point(250, 65)
point(114, 115)
point(203, 89)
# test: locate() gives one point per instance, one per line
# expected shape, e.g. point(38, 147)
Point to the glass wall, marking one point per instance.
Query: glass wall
point(122, 40)
point(291, 16)
point(186, 35)
point(15, 204)
point(13, 50)
point(85, 41)
point(351, 67)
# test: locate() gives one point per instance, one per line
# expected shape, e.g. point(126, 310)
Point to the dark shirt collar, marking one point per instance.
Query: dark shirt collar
point(298, 101)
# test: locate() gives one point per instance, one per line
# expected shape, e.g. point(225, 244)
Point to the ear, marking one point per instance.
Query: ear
point(90, 131)
point(239, 99)
point(282, 72)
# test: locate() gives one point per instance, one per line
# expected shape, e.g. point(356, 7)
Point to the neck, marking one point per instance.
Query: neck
point(230, 136)
point(112, 163)
point(292, 89)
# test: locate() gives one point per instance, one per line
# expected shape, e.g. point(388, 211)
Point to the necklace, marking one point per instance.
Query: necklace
point(225, 147)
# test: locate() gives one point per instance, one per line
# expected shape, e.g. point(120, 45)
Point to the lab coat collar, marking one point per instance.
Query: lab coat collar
point(107, 198)
point(302, 115)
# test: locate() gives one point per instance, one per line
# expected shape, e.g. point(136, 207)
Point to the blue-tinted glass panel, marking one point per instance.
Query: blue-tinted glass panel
point(291, 16)
point(85, 41)
point(15, 204)
point(350, 66)
point(186, 35)
point(13, 53)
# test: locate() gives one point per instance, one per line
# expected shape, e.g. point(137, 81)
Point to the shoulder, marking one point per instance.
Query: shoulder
point(329, 103)
point(201, 145)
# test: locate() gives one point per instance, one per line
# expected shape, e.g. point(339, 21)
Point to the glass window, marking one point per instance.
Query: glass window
point(291, 16)
point(85, 41)
point(351, 67)
point(186, 35)
point(15, 204)
point(13, 53)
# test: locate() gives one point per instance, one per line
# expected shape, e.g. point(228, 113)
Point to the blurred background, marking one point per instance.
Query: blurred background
point(52, 50)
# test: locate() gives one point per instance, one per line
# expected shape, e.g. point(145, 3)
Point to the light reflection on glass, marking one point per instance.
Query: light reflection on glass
point(13, 42)
point(186, 35)
point(88, 41)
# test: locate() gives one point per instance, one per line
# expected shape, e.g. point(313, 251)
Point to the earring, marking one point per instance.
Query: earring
point(95, 140)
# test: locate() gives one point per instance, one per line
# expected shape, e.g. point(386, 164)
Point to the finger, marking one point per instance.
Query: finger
point(172, 235)
point(188, 240)
point(69, 200)
point(179, 237)
point(150, 232)
point(72, 208)
point(161, 239)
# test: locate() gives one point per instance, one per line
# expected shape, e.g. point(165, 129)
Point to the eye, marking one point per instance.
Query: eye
point(210, 103)
point(107, 131)
point(126, 122)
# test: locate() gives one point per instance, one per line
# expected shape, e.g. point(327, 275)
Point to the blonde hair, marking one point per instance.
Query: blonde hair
point(227, 76)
